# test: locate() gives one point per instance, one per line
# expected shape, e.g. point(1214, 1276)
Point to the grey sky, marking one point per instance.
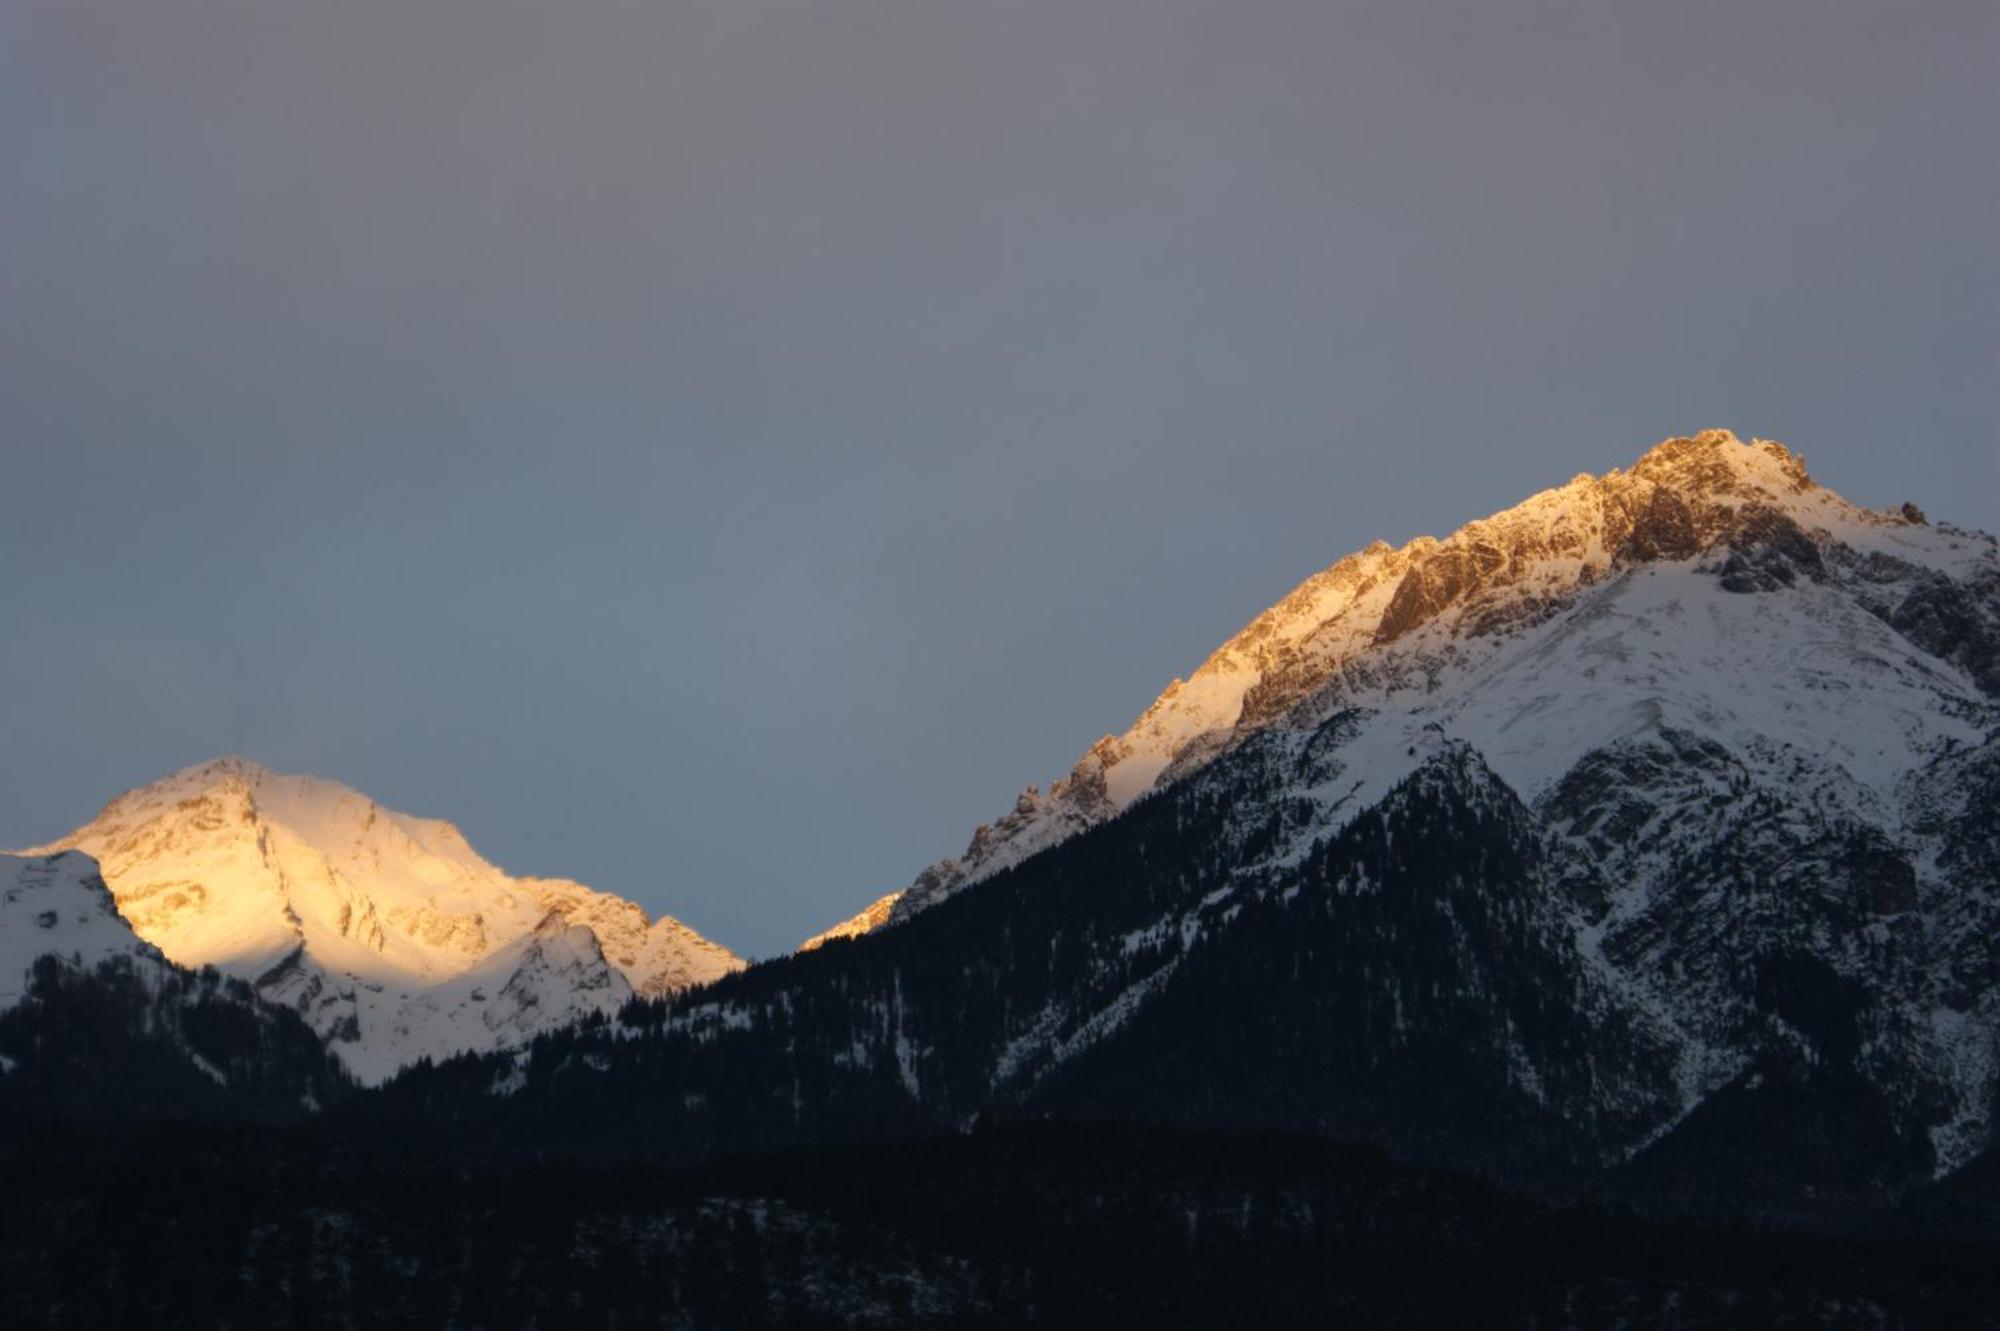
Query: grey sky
point(721, 452)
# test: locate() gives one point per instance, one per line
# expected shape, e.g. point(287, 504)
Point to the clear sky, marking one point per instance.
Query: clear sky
point(722, 451)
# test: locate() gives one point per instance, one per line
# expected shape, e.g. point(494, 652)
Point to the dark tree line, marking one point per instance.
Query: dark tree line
point(1011, 1225)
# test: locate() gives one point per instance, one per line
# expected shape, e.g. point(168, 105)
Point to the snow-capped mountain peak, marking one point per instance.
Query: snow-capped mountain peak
point(1696, 753)
point(389, 932)
point(1406, 627)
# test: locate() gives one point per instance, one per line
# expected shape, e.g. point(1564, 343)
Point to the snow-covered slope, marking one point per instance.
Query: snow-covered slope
point(57, 905)
point(96, 1025)
point(389, 933)
point(1585, 616)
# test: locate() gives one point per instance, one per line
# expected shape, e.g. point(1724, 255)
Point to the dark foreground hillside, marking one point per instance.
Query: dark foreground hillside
point(1012, 1225)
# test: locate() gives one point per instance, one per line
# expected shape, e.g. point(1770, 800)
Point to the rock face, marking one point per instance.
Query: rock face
point(389, 934)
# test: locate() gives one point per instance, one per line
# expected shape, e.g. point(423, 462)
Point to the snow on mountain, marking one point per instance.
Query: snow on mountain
point(57, 905)
point(388, 933)
point(1748, 735)
point(1593, 614)
point(96, 1024)
point(873, 917)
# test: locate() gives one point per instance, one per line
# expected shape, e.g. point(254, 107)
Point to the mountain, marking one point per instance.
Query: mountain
point(57, 906)
point(870, 918)
point(1440, 628)
point(1629, 839)
point(1642, 840)
point(96, 1025)
point(1637, 849)
point(390, 935)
